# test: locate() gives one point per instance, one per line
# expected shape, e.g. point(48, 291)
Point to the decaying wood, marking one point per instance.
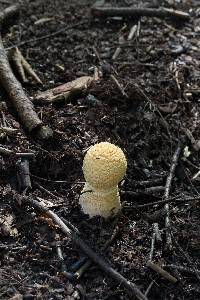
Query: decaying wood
point(17, 96)
point(68, 90)
point(139, 12)
point(131, 288)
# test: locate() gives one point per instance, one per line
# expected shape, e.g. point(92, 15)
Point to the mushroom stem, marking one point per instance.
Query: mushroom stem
point(104, 203)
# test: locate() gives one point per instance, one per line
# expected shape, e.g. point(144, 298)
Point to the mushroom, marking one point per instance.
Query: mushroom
point(104, 166)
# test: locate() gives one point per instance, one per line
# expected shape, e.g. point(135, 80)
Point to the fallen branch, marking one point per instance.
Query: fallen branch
point(139, 12)
point(130, 287)
point(18, 97)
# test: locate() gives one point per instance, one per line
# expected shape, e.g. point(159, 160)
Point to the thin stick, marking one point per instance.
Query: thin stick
point(167, 191)
point(132, 32)
point(183, 269)
point(149, 287)
point(173, 199)
point(47, 191)
point(119, 86)
point(130, 287)
point(157, 232)
point(148, 190)
point(88, 263)
point(152, 246)
point(162, 272)
point(5, 151)
point(50, 35)
point(68, 275)
point(139, 12)
point(187, 258)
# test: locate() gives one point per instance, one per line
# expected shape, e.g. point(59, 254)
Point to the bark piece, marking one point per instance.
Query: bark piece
point(67, 91)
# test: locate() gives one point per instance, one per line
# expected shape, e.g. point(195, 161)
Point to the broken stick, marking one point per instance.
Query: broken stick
point(131, 288)
point(18, 97)
point(139, 12)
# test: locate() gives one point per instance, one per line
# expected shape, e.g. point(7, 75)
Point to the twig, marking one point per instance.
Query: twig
point(183, 269)
point(147, 191)
point(8, 130)
point(187, 258)
point(22, 66)
point(162, 272)
point(167, 191)
point(47, 191)
point(70, 225)
point(139, 12)
point(157, 232)
point(119, 86)
point(5, 151)
point(147, 183)
point(118, 49)
point(68, 275)
point(57, 181)
point(47, 36)
point(173, 199)
point(149, 287)
point(20, 100)
point(130, 287)
point(132, 32)
point(152, 246)
point(88, 263)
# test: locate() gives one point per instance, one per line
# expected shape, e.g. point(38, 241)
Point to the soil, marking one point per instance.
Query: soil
point(159, 72)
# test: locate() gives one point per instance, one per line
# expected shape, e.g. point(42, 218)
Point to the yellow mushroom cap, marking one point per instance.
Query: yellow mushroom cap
point(104, 165)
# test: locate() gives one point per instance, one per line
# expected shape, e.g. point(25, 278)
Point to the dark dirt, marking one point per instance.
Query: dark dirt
point(159, 71)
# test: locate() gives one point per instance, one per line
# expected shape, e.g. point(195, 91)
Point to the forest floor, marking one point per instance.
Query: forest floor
point(155, 109)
